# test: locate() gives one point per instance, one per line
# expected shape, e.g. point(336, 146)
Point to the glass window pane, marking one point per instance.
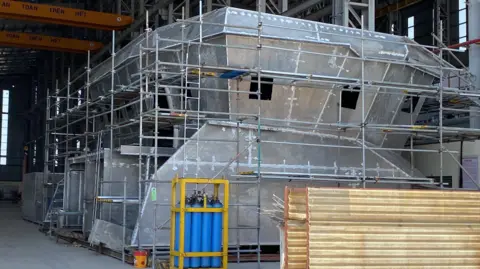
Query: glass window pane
point(411, 21)
point(3, 160)
point(462, 30)
point(462, 16)
point(411, 33)
point(462, 4)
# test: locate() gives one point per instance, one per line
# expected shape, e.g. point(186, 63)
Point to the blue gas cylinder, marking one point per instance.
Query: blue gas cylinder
point(187, 238)
point(207, 237)
point(196, 235)
point(188, 231)
point(217, 223)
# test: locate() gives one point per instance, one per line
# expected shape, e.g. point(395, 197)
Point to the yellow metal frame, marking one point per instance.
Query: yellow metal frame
point(181, 254)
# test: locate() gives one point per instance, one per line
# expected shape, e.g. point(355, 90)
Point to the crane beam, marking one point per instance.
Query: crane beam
point(42, 42)
point(61, 15)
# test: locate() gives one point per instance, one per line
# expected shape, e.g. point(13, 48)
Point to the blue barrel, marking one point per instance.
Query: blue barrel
point(217, 235)
point(188, 228)
point(196, 236)
point(207, 237)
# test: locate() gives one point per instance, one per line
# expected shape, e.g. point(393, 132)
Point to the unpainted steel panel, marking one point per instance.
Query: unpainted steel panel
point(214, 159)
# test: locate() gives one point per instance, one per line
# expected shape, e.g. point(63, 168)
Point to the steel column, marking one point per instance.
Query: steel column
point(473, 33)
point(371, 15)
point(261, 5)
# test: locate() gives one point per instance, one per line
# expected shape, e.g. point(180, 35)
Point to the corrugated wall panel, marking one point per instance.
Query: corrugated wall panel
point(358, 228)
point(296, 229)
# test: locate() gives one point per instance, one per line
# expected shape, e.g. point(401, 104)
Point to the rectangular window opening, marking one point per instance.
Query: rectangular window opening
point(350, 98)
point(79, 102)
point(410, 104)
point(34, 152)
point(462, 23)
point(266, 88)
point(36, 95)
point(411, 27)
point(57, 102)
point(4, 131)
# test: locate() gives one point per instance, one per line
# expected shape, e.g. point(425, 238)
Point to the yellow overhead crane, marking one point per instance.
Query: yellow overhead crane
point(41, 42)
point(60, 15)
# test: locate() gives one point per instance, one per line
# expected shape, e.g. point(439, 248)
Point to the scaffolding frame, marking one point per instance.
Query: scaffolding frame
point(73, 106)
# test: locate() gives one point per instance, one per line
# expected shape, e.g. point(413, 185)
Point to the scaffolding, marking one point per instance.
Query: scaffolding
point(169, 102)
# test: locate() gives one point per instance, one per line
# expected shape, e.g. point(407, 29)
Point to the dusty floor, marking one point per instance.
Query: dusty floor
point(22, 246)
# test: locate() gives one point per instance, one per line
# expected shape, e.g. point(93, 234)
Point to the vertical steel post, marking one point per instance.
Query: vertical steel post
point(155, 160)
point(112, 119)
point(441, 108)
point(140, 144)
point(237, 170)
point(283, 4)
point(170, 13)
point(187, 9)
point(209, 5)
point(261, 6)
point(364, 165)
point(346, 12)
point(371, 15)
point(474, 32)
point(259, 126)
point(181, 242)
point(199, 52)
point(87, 116)
point(118, 7)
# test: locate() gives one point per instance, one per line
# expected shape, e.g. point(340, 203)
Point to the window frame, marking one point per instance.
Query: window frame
point(5, 126)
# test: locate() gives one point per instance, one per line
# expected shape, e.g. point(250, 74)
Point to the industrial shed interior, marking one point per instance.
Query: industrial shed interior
point(286, 134)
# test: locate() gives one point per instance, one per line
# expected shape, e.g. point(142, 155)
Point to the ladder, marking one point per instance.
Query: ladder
point(56, 204)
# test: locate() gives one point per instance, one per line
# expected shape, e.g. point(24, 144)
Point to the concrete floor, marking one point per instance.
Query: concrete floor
point(22, 246)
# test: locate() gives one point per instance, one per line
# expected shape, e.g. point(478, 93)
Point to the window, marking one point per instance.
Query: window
point(462, 22)
point(34, 153)
point(350, 98)
point(56, 152)
point(409, 104)
point(79, 97)
point(78, 144)
point(411, 27)
point(4, 137)
point(265, 88)
point(57, 103)
point(36, 95)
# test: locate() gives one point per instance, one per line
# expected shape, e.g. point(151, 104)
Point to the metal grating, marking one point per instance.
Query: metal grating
point(359, 228)
point(295, 229)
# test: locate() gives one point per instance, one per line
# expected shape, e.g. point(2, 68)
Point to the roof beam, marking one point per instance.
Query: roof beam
point(301, 7)
point(401, 4)
point(41, 42)
point(61, 15)
point(320, 13)
point(126, 33)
